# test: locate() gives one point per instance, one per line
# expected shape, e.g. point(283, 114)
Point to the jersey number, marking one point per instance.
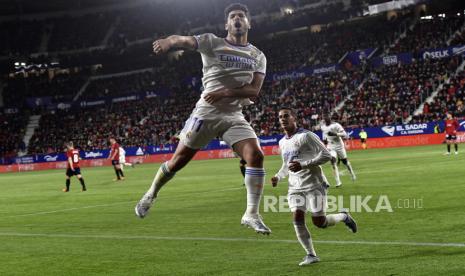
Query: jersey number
point(75, 158)
point(196, 124)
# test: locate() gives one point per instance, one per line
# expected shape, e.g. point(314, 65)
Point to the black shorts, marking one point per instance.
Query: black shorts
point(363, 140)
point(451, 137)
point(70, 172)
point(115, 162)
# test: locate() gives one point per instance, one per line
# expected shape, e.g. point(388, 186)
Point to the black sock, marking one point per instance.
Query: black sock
point(121, 172)
point(117, 173)
point(82, 183)
point(448, 148)
point(456, 147)
point(68, 182)
point(242, 170)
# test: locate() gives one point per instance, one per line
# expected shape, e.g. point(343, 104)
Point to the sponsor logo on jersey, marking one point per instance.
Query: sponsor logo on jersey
point(232, 61)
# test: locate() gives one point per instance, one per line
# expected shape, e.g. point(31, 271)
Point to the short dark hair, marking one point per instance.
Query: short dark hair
point(236, 7)
point(69, 144)
point(293, 112)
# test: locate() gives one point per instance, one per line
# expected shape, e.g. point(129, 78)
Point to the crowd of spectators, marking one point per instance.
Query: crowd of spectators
point(152, 121)
point(391, 94)
point(429, 34)
point(369, 33)
point(311, 97)
point(12, 130)
point(60, 87)
point(450, 99)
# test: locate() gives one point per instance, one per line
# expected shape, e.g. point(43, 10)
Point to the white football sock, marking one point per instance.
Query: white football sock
point(254, 181)
point(304, 237)
point(331, 220)
point(336, 173)
point(161, 178)
point(349, 167)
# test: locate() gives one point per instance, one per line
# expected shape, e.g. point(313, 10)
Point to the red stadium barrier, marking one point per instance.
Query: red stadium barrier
point(389, 142)
point(402, 141)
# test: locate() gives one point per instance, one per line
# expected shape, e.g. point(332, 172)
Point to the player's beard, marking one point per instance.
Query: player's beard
point(238, 29)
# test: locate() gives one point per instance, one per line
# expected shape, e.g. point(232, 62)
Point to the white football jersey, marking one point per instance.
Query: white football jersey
point(306, 148)
point(122, 152)
point(226, 65)
point(333, 141)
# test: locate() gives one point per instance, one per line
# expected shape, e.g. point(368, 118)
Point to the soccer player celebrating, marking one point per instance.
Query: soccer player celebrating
point(122, 159)
point(303, 153)
point(72, 155)
point(332, 136)
point(451, 127)
point(114, 157)
point(233, 72)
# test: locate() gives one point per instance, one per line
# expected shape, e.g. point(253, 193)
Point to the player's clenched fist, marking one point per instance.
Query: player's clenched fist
point(161, 46)
point(274, 181)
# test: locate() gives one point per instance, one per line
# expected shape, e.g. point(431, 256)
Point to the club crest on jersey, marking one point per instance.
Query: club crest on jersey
point(254, 53)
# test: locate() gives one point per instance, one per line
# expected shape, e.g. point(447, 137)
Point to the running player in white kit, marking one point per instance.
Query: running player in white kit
point(332, 136)
point(303, 153)
point(122, 159)
point(233, 72)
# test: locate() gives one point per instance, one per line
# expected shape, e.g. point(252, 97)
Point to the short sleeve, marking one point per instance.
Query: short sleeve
point(261, 66)
point(204, 42)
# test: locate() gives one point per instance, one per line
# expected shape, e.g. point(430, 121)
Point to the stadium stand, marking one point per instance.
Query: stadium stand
point(429, 34)
point(361, 95)
point(390, 94)
point(11, 133)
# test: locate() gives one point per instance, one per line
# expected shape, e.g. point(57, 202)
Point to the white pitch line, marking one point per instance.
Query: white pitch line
point(114, 204)
point(68, 209)
point(264, 240)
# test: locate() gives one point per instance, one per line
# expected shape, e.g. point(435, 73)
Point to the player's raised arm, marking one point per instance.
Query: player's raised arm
point(163, 45)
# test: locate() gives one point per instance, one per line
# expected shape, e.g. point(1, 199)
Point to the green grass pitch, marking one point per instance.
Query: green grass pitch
point(194, 228)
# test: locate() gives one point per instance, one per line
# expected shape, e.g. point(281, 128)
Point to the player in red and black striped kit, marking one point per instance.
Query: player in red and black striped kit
point(72, 155)
point(114, 156)
point(451, 127)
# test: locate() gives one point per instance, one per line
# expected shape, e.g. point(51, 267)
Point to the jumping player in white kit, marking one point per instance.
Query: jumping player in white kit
point(233, 72)
point(333, 133)
point(303, 153)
